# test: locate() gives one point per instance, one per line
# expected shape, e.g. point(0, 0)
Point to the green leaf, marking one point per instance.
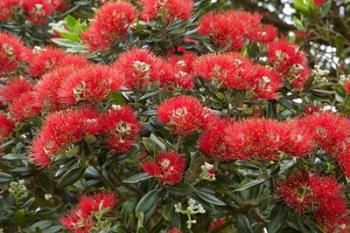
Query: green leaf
point(209, 197)
point(71, 176)
point(137, 178)
point(147, 201)
point(249, 185)
point(278, 219)
point(5, 178)
point(243, 224)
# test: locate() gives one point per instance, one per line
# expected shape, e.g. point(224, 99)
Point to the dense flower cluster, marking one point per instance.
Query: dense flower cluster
point(183, 114)
point(88, 211)
point(168, 10)
point(6, 126)
point(110, 25)
point(7, 8)
point(13, 89)
point(64, 128)
point(38, 11)
point(218, 25)
point(12, 53)
point(303, 191)
point(168, 167)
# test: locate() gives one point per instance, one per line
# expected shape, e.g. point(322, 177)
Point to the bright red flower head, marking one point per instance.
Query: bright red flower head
point(139, 67)
point(25, 106)
point(111, 23)
point(91, 84)
point(121, 128)
point(49, 85)
point(266, 82)
point(184, 114)
point(231, 70)
point(12, 53)
point(81, 219)
point(182, 69)
point(7, 8)
point(6, 126)
point(38, 10)
point(263, 34)
point(218, 25)
point(14, 88)
point(319, 2)
point(49, 59)
point(290, 61)
point(169, 10)
point(167, 166)
point(59, 130)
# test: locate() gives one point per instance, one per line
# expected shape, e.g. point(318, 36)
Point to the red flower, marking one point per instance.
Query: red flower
point(91, 84)
point(230, 70)
point(182, 69)
point(212, 142)
point(25, 106)
point(174, 230)
point(167, 166)
point(50, 58)
point(14, 88)
point(296, 192)
point(263, 34)
point(290, 62)
point(111, 24)
point(7, 8)
point(217, 222)
point(48, 86)
point(12, 53)
point(121, 128)
point(81, 219)
point(139, 67)
point(267, 82)
point(38, 10)
point(169, 10)
point(6, 126)
point(218, 25)
point(347, 86)
point(59, 130)
point(319, 2)
point(183, 114)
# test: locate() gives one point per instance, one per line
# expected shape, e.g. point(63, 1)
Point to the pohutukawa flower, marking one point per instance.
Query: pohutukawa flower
point(38, 11)
point(168, 10)
point(14, 88)
point(319, 2)
point(139, 67)
point(12, 53)
point(49, 59)
point(90, 85)
point(111, 23)
point(7, 8)
point(83, 217)
point(6, 126)
point(229, 70)
point(263, 34)
point(182, 69)
point(25, 106)
point(290, 61)
point(120, 128)
point(49, 85)
point(168, 167)
point(183, 114)
point(59, 130)
point(218, 25)
point(267, 82)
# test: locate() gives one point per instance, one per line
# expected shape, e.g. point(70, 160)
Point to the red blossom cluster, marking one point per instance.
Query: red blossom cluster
point(110, 25)
point(83, 217)
point(168, 167)
point(303, 191)
point(6, 126)
point(61, 129)
point(218, 25)
point(319, 2)
point(168, 10)
point(36, 11)
point(290, 62)
point(231, 70)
